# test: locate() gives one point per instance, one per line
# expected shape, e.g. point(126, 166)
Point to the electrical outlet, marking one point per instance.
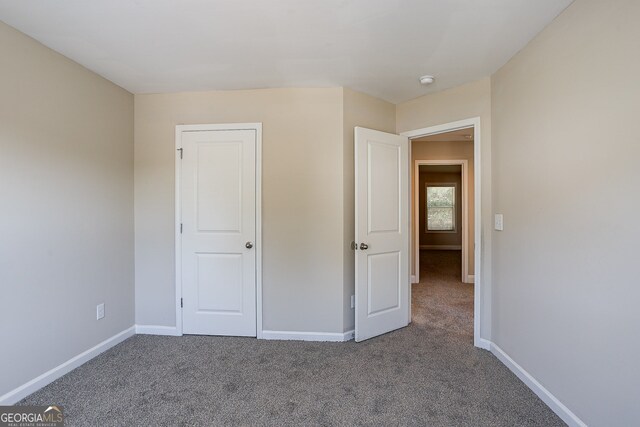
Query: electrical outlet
point(353, 301)
point(99, 311)
point(498, 222)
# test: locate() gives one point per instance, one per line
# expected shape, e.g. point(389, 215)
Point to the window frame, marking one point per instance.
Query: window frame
point(454, 207)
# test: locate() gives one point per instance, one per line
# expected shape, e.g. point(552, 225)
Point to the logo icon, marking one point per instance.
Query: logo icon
point(32, 416)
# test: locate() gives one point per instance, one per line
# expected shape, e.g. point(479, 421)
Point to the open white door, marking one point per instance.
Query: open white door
point(382, 232)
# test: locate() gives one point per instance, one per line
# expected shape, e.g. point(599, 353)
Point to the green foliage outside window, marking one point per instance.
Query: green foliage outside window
point(441, 202)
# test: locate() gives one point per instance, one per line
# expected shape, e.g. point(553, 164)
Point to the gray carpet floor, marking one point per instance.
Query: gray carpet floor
point(441, 300)
point(428, 374)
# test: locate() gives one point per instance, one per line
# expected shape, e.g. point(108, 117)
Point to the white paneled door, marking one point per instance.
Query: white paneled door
point(382, 232)
point(218, 215)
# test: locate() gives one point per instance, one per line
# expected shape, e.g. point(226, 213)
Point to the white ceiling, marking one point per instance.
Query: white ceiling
point(379, 47)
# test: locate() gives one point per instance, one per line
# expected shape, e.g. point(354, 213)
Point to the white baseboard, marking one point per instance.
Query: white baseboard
point(545, 395)
point(308, 336)
point(442, 247)
point(413, 278)
point(50, 376)
point(349, 335)
point(171, 331)
point(483, 343)
point(470, 278)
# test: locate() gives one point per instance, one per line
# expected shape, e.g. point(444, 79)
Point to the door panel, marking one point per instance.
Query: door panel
point(383, 171)
point(383, 277)
point(219, 184)
point(382, 232)
point(218, 189)
point(219, 283)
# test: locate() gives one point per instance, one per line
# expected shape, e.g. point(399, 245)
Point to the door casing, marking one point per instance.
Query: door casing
point(477, 191)
point(417, 192)
point(257, 127)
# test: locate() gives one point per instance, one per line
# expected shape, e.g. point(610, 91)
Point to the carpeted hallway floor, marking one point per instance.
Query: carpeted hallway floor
point(428, 374)
point(441, 300)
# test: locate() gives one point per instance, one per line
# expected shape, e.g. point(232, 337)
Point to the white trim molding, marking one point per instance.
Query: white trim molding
point(51, 375)
point(464, 166)
point(484, 344)
point(545, 395)
point(170, 331)
point(308, 336)
point(471, 278)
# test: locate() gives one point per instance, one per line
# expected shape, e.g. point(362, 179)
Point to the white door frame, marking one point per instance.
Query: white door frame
point(477, 184)
point(466, 278)
point(257, 127)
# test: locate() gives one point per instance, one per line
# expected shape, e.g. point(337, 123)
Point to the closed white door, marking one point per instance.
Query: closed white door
point(382, 232)
point(218, 215)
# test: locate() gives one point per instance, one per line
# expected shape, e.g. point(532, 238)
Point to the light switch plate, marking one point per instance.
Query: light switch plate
point(100, 311)
point(499, 222)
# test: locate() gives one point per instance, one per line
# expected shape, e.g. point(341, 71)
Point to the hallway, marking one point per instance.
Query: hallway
point(441, 300)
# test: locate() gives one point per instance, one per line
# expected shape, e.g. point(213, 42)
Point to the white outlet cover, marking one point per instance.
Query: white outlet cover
point(499, 222)
point(99, 311)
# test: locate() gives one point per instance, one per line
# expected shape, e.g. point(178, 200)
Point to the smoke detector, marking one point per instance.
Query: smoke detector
point(427, 80)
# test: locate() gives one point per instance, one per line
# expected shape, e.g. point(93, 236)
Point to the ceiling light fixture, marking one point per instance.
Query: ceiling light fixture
point(427, 80)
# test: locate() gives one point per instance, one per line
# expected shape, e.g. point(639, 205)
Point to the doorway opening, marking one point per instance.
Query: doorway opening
point(445, 238)
point(443, 205)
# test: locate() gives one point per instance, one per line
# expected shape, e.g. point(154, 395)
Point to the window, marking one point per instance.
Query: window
point(441, 207)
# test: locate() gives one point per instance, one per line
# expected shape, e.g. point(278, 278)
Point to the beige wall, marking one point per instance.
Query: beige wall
point(566, 179)
point(66, 183)
point(450, 150)
point(450, 238)
point(308, 198)
point(302, 200)
point(462, 102)
point(373, 113)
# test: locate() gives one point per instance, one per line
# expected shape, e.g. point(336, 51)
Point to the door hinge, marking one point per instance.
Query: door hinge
point(354, 246)
point(180, 150)
point(180, 302)
point(180, 228)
